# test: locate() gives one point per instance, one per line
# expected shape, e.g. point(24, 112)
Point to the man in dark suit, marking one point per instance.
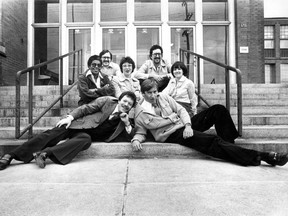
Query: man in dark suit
point(104, 119)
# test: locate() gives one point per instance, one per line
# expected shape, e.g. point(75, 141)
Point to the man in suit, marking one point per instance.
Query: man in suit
point(104, 119)
point(170, 122)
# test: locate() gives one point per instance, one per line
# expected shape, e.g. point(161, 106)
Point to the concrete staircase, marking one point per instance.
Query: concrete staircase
point(265, 119)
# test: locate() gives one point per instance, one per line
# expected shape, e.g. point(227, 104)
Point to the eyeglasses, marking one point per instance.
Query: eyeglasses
point(105, 57)
point(95, 65)
point(156, 54)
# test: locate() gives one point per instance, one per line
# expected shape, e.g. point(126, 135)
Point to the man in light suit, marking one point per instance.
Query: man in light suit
point(104, 119)
point(170, 122)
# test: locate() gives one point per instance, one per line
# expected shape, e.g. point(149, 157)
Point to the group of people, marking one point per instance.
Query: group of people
point(119, 105)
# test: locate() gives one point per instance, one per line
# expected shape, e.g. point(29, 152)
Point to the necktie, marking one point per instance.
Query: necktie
point(114, 116)
point(157, 109)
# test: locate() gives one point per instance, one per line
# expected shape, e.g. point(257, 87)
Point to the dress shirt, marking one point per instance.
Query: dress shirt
point(97, 81)
point(149, 68)
point(113, 69)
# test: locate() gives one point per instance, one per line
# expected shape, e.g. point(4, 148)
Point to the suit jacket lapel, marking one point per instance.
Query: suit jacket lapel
point(107, 111)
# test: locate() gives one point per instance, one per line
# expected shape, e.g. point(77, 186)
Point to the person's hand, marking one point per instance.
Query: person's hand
point(125, 118)
point(188, 132)
point(136, 145)
point(66, 121)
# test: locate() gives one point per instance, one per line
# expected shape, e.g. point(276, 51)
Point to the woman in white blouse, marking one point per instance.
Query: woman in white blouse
point(183, 91)
point(126, 81)
point(181, 88)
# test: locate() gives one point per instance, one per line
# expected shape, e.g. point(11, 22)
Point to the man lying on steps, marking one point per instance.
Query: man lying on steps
point(170, 122)
point(104, 119)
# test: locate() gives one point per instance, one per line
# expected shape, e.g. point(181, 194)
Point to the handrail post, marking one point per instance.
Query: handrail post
point(78, 65)
point(61, 82)
point(198, 78)
point(239, 101)
point(30, 105)
point(17, 111)
point(227, 85)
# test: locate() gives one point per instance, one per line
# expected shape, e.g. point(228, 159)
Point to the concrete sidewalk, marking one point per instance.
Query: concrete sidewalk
point(153, 187)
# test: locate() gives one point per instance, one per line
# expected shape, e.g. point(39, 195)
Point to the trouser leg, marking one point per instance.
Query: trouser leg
point(64, 153)
point(46, 139)
point(216, 147)
point(219, 116)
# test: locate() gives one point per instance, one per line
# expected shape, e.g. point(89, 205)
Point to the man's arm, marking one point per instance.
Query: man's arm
point(107, 88)
point(142, 73)
point(83, 110)
point(84, 90)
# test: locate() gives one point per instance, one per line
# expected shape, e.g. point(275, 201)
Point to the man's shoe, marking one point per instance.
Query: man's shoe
point(40, 158)
point(4, 162)
point(279, 159)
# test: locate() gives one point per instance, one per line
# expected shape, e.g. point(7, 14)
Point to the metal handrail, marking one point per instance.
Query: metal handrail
point(227, 82)
point(29, 70)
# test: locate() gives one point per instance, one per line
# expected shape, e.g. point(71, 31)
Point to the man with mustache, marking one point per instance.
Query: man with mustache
point(156, 67)
point(169, 122)
point(104, 119)
point(93, 84)
point(111, 69)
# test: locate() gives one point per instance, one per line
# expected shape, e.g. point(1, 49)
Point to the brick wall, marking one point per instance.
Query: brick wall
point(14, 37)
point(250, 33)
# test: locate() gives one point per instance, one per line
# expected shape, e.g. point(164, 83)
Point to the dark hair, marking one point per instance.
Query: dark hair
point(130, 95)
point(92, 58)
point(148, 84)
point(154, 47)
point(103, 52)
point(129, 60)
point(181, 65)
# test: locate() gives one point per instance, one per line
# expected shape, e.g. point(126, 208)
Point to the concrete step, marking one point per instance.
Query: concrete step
point(155, 149)
point(250, 131)
point(50, 121)
point(56, 111)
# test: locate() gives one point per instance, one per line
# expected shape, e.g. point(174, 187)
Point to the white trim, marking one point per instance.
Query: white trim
point(78, 24)
point(149, 23)
point(199, 38)
point(108, 24)
point(216, 23)
point(181, 23)
point(165, 31)
point(30, 36)
point(130, 36)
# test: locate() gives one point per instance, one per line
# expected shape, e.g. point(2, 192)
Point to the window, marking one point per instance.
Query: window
point(215, 47)
point(46, 11)
point(181, 10)
point(79, 10)
point(182, 38)
point(113, 10)
point(269, 50)
point(284, 41)
point(78, 39)
point(270, 73)
point(269, 37)
point(114, 41)
point(284, 73)
point(147, 10)
point(215, 10)
point(46, 48)
point(146, 37)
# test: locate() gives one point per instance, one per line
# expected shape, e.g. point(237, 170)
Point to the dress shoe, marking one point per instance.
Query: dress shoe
point(279, 159)
point(40, 158)
point(5, 162)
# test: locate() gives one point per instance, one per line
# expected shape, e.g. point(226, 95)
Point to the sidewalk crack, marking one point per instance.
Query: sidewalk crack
point(125, 189)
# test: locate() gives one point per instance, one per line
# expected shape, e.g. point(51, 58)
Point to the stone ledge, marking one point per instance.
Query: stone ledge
point(155, 149)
